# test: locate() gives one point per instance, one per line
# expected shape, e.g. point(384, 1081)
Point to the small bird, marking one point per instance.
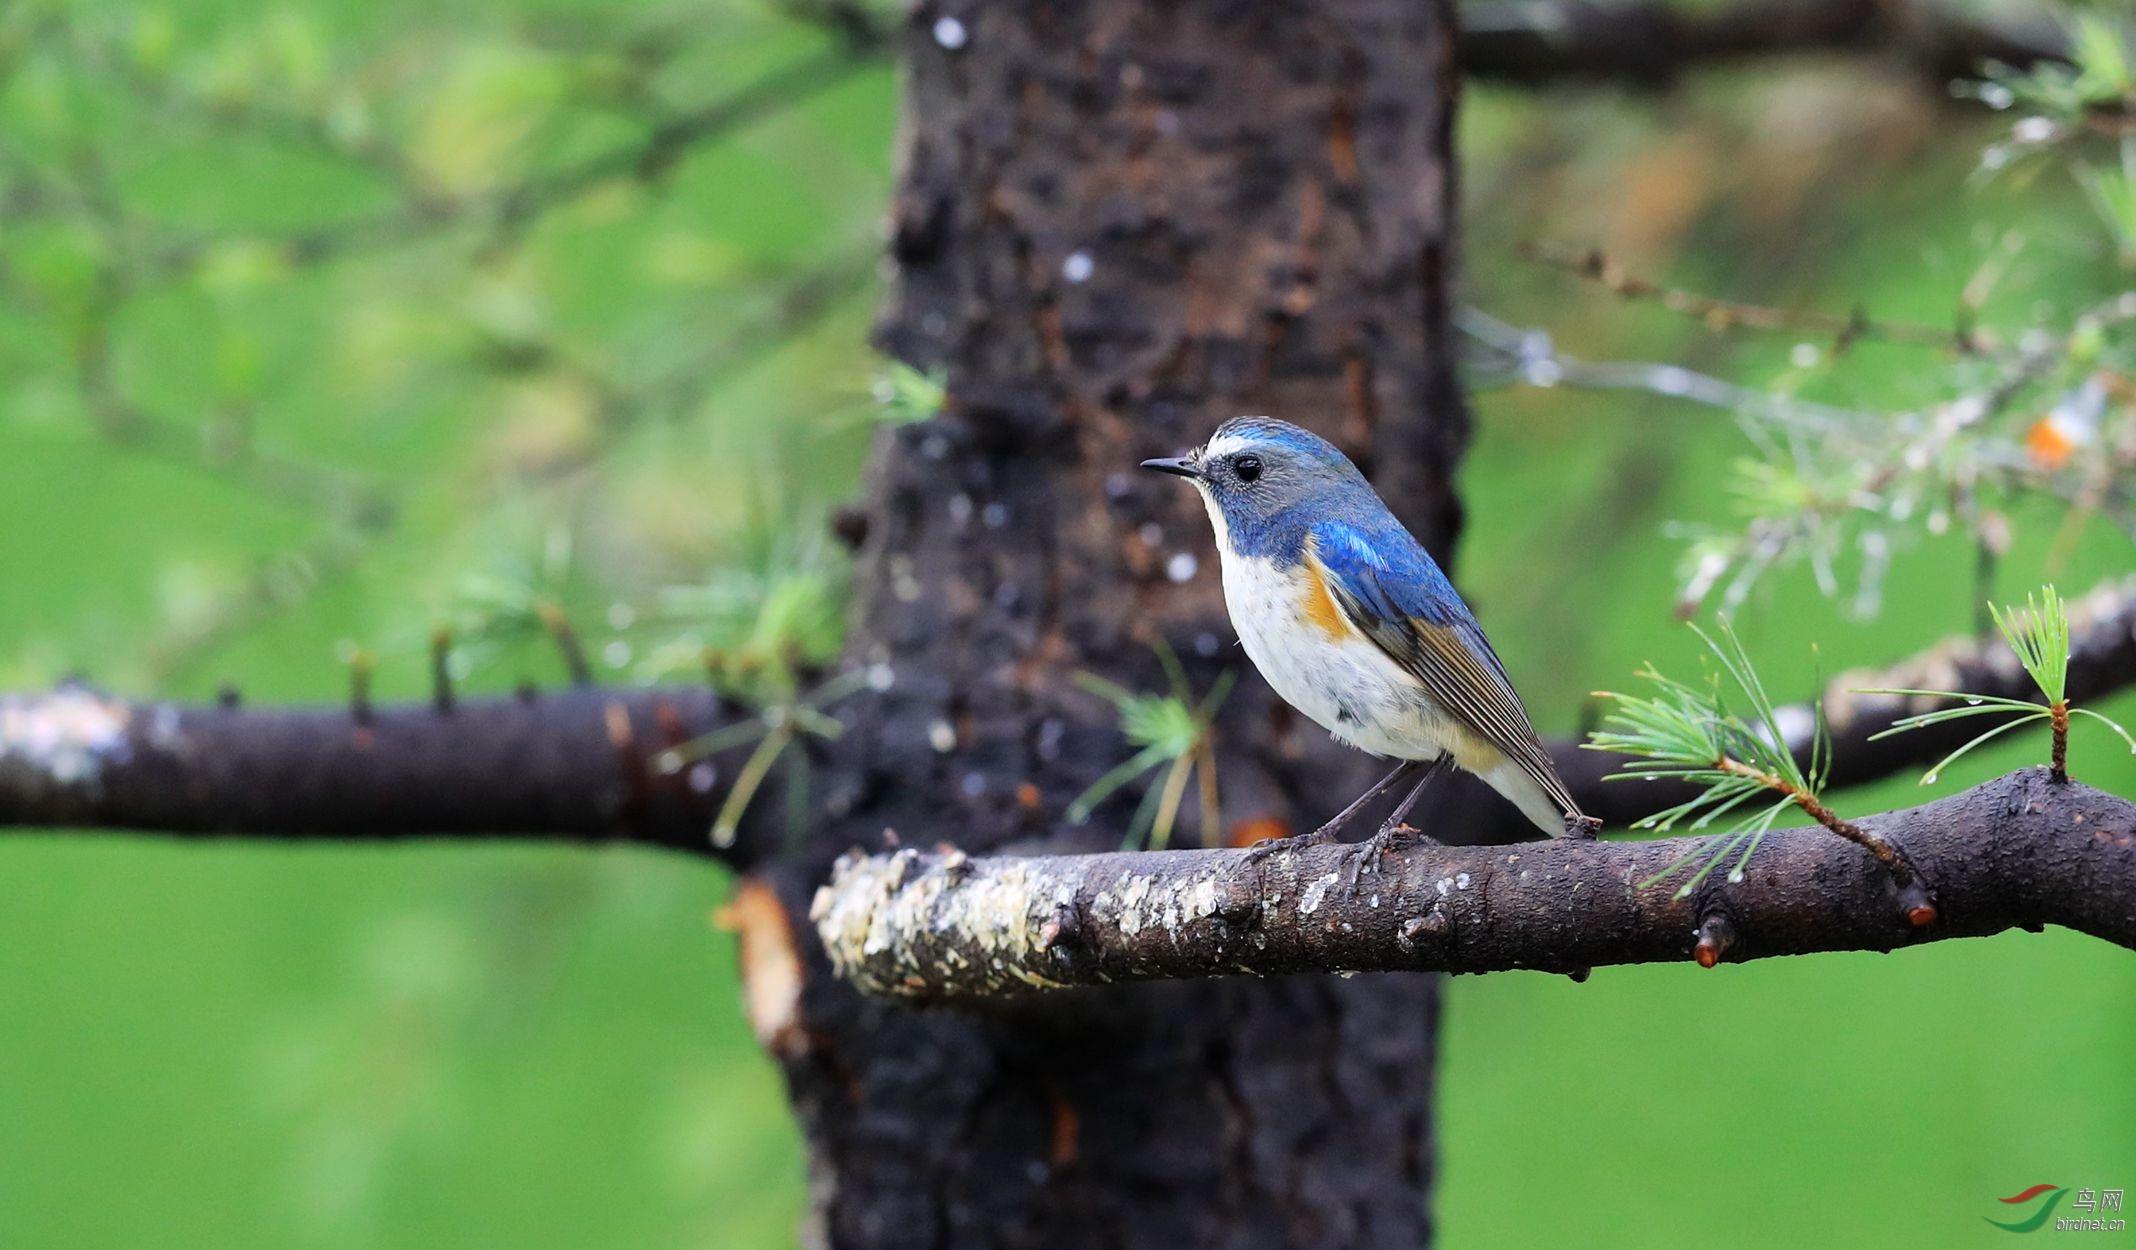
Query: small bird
point(1351, 621)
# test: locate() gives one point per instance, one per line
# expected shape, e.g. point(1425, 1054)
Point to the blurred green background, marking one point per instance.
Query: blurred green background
point(324, 323)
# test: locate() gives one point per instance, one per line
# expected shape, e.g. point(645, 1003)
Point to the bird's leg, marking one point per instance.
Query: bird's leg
point(1392, 832)
point(1326, 833)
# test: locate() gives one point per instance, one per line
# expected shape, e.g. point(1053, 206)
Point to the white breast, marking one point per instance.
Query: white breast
point(1345, 684)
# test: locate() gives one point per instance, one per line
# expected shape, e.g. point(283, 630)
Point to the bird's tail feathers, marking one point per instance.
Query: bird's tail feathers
point(1547, 806)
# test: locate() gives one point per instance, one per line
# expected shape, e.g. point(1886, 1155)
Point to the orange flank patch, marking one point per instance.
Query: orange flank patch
point(1320, 606)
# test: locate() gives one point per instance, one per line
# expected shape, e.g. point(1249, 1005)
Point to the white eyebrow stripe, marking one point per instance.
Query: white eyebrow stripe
point(1225, 445)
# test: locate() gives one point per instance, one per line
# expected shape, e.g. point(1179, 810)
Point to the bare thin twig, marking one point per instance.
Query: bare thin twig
point(1724, 314)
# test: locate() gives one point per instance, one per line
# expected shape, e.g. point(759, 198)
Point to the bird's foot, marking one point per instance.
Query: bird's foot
point(1373, 851)
point(1582, 828)
point(1328, 832)
point(1298, 841)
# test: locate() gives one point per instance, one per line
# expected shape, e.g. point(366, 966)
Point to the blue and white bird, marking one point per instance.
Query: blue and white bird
point(1353, 624)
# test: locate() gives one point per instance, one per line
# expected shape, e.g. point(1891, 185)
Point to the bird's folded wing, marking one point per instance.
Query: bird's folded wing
point(1436, 641)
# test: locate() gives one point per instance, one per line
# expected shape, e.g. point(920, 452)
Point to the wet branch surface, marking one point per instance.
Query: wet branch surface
point(2021, 851)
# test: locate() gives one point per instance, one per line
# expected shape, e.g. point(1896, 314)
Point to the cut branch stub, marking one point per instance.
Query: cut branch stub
point(1715, 936)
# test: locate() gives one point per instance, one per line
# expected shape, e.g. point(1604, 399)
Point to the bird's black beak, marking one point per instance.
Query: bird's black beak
point(1177, 466)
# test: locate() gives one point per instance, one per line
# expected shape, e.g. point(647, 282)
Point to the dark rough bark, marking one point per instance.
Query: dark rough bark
point(2020, 851)
point(1118, 224)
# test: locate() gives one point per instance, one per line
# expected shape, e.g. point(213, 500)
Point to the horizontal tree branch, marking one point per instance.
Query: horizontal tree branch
point(1651, 42)
point(578, 765)
point(571, 766)
point(2021, 851)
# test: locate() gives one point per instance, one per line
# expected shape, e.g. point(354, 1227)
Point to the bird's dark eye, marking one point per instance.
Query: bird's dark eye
point(1248, 468)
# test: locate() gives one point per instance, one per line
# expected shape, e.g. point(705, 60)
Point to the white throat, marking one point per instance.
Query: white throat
point(1216, 520)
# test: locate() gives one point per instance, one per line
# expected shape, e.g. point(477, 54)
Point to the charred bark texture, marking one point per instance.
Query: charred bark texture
point(1116, 225)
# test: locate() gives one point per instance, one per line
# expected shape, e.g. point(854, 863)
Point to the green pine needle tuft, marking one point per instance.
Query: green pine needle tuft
point(2039, 635)
point(1691, 734)
point(1172, 729)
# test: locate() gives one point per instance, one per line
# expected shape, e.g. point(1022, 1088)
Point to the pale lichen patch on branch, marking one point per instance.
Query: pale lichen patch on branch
point(68, 737)
point(876, 913)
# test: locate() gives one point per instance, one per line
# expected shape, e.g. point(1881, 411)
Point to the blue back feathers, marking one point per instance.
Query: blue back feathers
point(1388, 571)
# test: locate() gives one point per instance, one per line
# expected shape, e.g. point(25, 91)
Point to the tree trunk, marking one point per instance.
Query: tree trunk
point(1118, 224)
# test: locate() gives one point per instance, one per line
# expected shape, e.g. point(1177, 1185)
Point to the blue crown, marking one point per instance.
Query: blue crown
point(1281, 434)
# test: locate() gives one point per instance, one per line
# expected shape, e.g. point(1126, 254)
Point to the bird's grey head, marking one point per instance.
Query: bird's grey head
point(1256, 471)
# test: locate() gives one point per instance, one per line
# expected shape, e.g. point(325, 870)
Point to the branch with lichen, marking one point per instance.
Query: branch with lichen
point(2017, 852)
